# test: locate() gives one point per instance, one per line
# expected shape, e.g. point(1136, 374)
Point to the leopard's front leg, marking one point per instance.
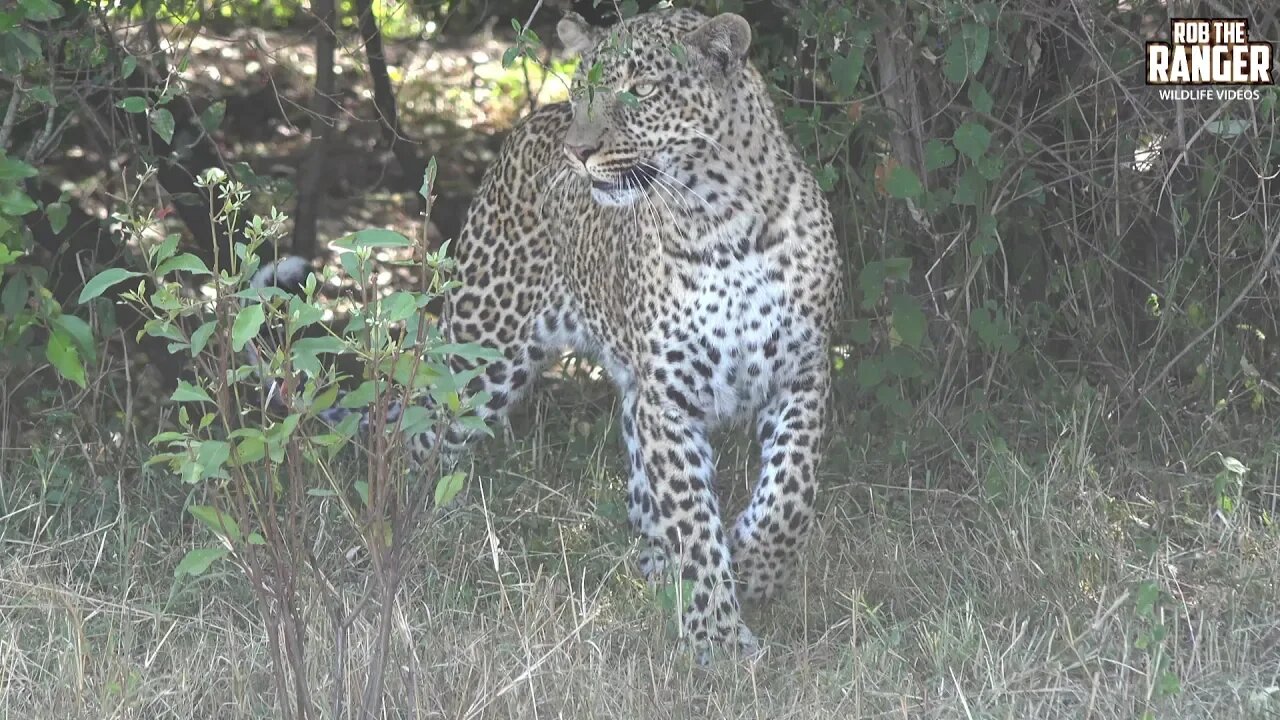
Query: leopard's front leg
point(673, 502)
point(771, 530)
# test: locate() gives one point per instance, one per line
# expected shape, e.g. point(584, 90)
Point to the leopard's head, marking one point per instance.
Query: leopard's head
point(647, 94)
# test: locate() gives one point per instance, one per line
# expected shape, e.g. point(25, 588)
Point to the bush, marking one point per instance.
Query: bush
point(260, 348)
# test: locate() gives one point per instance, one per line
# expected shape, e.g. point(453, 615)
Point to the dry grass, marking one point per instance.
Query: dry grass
point(920, 597)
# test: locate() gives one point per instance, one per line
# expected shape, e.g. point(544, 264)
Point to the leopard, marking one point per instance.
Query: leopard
point(661, 222)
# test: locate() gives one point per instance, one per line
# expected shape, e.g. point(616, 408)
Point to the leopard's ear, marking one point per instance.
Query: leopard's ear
point(575, 34)
point(723, 40)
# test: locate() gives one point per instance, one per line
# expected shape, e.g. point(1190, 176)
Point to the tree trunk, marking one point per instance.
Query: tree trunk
point(312, 176)
point(384, 101)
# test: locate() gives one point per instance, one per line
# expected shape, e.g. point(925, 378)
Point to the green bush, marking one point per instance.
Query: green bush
point(269, 479)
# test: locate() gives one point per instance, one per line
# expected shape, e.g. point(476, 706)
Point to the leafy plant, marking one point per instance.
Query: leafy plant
point(260, 347)
point(1152, 640)
point(29, 316)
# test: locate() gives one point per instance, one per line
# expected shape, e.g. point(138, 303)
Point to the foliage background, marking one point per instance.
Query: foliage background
point(1063, 305)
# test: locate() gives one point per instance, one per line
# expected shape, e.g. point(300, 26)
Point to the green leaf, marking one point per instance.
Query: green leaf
point(475, 424)
point(972, 140)
point(984, 241)
point(902, 183)
point(42, 95)
point(200, 338)
point(871, 282)
point(673, 597)
point(306, 350)
point(374, 238)
point(133, 104)
point(162, 328)
point(15, 203)
point(127, 66)
point(164, 249)
point(991, 166)
point(219, 522)
point(908, 319)
point(302, 313)
point(398, 306)
point(62, 354)
point(357, 267)
point(211, 455)
point(17, 287)
point(162, 123)
point(977, 38)
point(1167, 684)
point(321, 344)
point(826, 176)
point(938, 154)
point(325, 399)
point(197, 561)
point(429, 178)
point(966, 53)
point(103, 281)
point(187, 392)
point(81, 333)
point(211, 118)
point(246, 326)
point(168, 436)
point(15, 169)
point(250, 450)
point(979, 98)
point(185, 262)
point(416, 419)
point(969, 188)
point(361, 396)
point(58, 214)
point(25, 44)
point(467, 351)
point(40, 10)
point(448, 487)
point(955, 66)
point(846, 69)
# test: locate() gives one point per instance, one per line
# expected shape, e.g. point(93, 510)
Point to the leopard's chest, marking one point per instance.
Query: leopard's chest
point(696, 304)
point(739, 329)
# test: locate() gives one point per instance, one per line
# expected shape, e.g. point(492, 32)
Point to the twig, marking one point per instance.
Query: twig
point(534, 13)
point(10, 116)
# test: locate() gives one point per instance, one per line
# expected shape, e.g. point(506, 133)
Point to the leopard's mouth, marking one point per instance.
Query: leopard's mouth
point(637, 177)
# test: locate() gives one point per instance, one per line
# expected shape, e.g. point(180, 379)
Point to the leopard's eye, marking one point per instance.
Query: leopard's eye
point(643, 89)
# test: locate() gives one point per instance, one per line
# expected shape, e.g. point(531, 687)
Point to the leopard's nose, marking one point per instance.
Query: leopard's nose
point(581, 152)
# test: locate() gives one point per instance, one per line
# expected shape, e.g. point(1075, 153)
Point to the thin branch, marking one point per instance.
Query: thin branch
point(10, 116)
